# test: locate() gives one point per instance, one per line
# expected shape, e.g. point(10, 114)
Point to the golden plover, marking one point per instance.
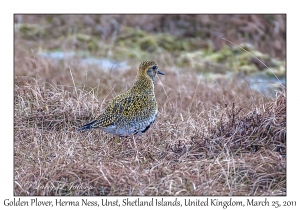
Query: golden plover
point(133, 111)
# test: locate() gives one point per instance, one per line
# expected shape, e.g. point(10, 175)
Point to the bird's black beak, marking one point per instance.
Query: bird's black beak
point(160, 72)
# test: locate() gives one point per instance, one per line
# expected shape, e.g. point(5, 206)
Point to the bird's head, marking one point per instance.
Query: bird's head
point(149, 69)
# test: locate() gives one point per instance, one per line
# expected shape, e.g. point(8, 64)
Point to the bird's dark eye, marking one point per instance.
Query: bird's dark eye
point(154, 67)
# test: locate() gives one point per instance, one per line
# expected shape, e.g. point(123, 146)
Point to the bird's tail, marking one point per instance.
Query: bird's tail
point(87, 126)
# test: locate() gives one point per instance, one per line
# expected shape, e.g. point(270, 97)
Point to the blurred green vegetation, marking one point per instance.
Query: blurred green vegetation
point(187, 41)
point(68, 67)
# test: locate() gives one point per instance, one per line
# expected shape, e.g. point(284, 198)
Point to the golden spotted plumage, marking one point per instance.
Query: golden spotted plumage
point(133, 111)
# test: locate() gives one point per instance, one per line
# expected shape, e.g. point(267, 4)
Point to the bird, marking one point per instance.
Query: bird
point(133, 111)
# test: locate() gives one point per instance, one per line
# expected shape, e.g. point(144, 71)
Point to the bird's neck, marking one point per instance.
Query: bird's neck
point(143, 84)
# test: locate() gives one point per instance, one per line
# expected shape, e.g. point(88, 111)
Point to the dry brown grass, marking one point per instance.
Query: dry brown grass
point(200, 144)
point(210, 138)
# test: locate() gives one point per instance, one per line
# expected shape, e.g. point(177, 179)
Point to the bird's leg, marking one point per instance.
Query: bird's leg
point(136, 149)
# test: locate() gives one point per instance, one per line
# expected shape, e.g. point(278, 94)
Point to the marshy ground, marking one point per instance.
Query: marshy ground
point(221, 127)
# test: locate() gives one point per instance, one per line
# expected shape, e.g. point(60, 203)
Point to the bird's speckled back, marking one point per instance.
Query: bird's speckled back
point(134, 110)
